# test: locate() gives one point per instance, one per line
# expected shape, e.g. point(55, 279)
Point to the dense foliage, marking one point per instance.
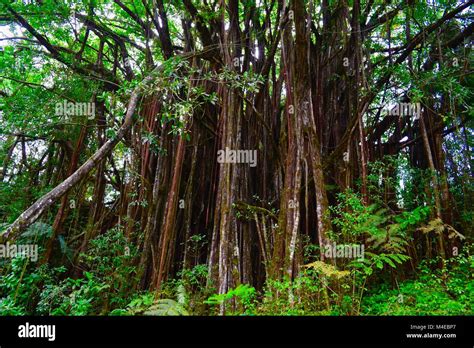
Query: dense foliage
point(260, 157)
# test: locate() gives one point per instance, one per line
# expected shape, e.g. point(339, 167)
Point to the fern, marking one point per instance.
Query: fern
point(147, 305)
point(367, 264)
point(182, 295)
point(166, 307)
point(392, 238)
point(244, 293)
point(438, 227)
point(327, 270)
point(37, 231)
